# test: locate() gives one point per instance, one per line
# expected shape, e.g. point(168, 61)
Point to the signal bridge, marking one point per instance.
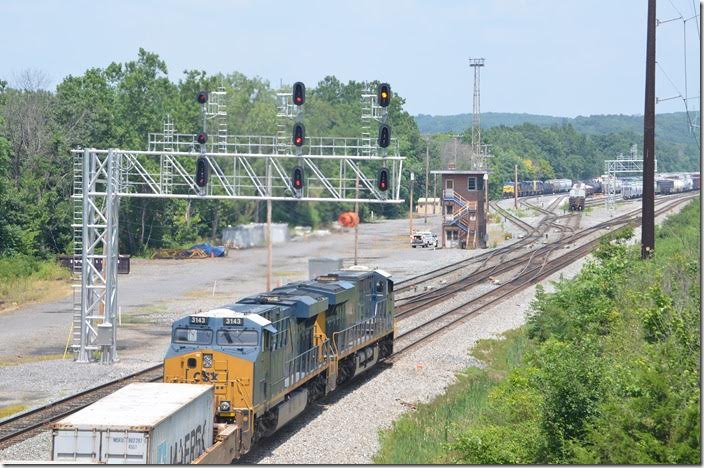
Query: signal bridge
point(190, 166)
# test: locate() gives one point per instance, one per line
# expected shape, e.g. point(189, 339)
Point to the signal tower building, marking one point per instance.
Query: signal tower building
point(464, 208)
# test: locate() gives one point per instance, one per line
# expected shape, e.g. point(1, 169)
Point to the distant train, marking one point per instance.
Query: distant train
point(665, 183)
point(528, 188)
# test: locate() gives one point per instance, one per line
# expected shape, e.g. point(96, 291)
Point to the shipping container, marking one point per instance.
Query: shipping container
point(166, 423)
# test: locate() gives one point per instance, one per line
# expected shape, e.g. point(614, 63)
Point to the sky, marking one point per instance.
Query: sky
point(552, 57)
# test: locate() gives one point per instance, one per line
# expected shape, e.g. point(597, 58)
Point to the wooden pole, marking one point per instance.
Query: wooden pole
point(410, 210)
point(269, 248)
point(356, 210)
point(648, 228)
point(435, 195)
point(515, 186)
point(426, 182)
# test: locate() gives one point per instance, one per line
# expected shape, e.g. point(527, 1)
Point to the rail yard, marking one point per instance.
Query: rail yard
point(444, 301)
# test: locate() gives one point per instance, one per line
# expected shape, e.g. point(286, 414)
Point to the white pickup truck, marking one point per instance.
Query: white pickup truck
point(424, 239)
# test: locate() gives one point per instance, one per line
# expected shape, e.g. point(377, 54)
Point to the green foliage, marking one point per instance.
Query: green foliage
point(676, 146)
point(608, 369)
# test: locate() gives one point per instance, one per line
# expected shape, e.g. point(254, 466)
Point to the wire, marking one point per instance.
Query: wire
point(678, 11)
point(696, 14)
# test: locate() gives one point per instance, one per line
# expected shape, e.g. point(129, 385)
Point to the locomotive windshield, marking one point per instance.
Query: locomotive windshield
point(193, 336)
point(239, 338)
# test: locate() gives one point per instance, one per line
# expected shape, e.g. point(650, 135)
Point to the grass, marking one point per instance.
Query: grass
point(6, 411)
point(420, 437)
point(16, 360)
point(24, 279)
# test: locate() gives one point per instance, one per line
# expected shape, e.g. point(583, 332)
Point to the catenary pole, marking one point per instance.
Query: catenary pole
point(648, 227)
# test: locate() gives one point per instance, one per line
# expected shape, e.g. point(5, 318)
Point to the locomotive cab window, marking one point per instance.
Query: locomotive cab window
point(380, 287)
point(192, 336)
point(240, 338)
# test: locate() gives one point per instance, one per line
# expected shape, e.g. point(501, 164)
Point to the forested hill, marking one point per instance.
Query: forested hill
point(671, 127)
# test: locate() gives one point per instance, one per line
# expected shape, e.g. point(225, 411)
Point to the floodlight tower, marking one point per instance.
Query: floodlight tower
point(476, 63)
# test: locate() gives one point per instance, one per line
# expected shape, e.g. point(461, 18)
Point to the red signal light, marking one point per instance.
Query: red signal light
point(299, 93)
point(202, 97)
point(297, 178)
point(299, 134)
point(202, 138)
point(382, 179)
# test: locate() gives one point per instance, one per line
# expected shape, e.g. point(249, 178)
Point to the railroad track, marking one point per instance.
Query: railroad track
point(531, 232)
point(419, 334)
point(30, 423)
point(422, 301)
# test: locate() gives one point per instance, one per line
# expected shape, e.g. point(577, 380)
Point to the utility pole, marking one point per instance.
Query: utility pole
point(269, 249)
point(648, 225)
point(410, 210)
point(515, 186)
point(435, 194)
point(356, 211)
point(426, 182)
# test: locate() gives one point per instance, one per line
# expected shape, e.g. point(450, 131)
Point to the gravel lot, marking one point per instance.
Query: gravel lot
point(364, 407)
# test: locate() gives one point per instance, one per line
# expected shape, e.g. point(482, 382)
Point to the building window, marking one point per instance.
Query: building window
point(449, 184)
point(471, 183)
point(449, 209)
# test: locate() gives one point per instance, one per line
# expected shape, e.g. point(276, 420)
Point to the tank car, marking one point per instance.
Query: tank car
point(269, 355)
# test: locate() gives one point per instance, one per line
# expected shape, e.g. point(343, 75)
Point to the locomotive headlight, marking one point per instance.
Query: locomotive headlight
point(224, 406)
point(208, 360)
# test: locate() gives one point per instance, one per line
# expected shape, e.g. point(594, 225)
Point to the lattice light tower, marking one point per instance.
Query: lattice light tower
point(476, 64)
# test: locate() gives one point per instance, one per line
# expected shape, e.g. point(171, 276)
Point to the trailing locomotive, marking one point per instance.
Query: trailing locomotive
point(271, 354)
point(536, 187)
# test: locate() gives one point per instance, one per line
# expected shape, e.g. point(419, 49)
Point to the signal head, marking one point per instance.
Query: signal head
point(299, 134)
point(299, 93)
point(383, 94)
point(384, 136)
point(202, 138)
point(202, 97)
point(382, 179)
point(297, 178)
point(201, 172)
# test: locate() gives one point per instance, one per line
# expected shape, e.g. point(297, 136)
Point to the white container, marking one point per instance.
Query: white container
point(165, 423)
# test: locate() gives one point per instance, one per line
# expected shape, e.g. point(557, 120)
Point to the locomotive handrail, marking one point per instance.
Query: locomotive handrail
point(351, 336)
point(300, 366)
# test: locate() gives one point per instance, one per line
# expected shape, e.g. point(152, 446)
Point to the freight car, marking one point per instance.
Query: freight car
point(269, 355)
point(552, 186)
point(632, 190)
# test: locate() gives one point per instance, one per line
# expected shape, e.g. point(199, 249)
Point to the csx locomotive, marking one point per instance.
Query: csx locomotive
point(269, 355)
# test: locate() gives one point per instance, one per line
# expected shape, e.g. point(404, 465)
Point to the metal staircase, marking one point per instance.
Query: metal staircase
point(457, 218)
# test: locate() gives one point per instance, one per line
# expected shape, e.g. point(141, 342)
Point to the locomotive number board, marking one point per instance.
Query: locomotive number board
point(233, 321)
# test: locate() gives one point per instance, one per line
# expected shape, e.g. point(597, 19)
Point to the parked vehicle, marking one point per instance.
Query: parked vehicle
point(424, 239)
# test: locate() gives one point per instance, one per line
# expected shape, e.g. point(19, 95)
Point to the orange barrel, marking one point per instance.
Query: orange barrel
point(348, 219)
